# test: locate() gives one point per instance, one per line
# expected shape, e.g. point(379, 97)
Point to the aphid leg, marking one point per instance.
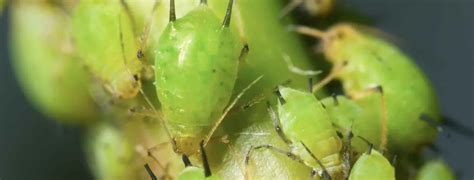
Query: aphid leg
point(228, 14)
point(276, 123)
point(458, 127)
point(347, 154)
point(371, 146)
point(310, 85)
point(331, 76)
point(272, 148)
point(325, 175)
point(227, 110)
point(150, 172)
point(383, 106)
point(334, 97)
point(297, 70)
point(290, 7)
point(309, 31)
point(152, 156)
point(394, 160)
point(205, 162)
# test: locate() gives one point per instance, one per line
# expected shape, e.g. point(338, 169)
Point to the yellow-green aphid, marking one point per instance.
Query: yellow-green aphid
point(196, 69)
point(111, 155)
point(372, 166)
point(103, 33)
point(44, 62)
point(191, 172)
point(365, 63)
point(313, 7)
point(435, 170)
point(305, 126)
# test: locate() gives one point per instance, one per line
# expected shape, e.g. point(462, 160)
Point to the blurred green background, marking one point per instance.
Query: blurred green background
point(438, 34)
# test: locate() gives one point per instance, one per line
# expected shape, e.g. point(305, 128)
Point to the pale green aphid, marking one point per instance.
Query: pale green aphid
point(43, 58)
point(103, 34)
point(313, 7)
point(366, 64)
point(372, 166)
point(196, 68)
point(435, 170)
point(304, 125)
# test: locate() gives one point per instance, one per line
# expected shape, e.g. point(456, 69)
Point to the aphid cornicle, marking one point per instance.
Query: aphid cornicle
point(196, 69)
point(191, 172)
point(372, 166)
point(103, 34)
point(364, 63)
point(435, 170)
point(304, 124)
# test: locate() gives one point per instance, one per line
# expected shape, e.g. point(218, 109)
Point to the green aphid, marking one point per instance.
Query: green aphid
point(191, 172)
point(435, 170)
point(110, 154)
point(196, 68)
point(45, 64)
point(304, 125)
point(374, 73)
point(103, 34)
point(372, 166)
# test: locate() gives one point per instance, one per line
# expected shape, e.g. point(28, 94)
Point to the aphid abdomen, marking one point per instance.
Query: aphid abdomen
point(104, 38)
point(435, 170)
point(408, 94)
point(196, 68)
point(372, 166)
point(304, 120)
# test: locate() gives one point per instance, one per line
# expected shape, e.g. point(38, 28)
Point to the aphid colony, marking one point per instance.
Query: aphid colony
point(213, 71)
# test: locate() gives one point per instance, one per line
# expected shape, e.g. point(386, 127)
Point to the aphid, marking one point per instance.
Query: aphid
point(304, 125)
point(367, 66)
point(196, 69)
point(45, 64)
point(197, 173)
point(313, 7)
point(435, 170)
point(105, 40)
point(372, 165)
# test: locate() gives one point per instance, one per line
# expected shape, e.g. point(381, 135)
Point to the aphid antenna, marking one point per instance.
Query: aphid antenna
point(325, 173)
point(290, 7)
point(458, 127)
point(150, 172)
point(371, 146)
point(227, 110)
point(228, 14)
point(297, 70)
point(172, 11)
point(305, 30)
point(186, 161)
point(205, 162)
point(129, 13)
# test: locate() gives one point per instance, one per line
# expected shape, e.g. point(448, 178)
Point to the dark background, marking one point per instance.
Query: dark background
point(438, 34)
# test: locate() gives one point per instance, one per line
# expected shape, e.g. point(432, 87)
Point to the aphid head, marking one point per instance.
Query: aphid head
point(187, 144)
point(336, 38)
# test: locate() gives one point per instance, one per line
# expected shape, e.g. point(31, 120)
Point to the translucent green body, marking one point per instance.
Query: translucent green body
point(100, 28)
point(372, 166)
point(408, 93)
point(45, 65)
point(304, 120)
point(196, 68)
point(435, 170)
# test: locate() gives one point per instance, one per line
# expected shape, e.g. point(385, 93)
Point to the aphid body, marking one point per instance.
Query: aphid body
point(372, 166)
point(196, 69)
point(305, 126)
point(362, 62)
point(103, 34)
point(435, 170)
